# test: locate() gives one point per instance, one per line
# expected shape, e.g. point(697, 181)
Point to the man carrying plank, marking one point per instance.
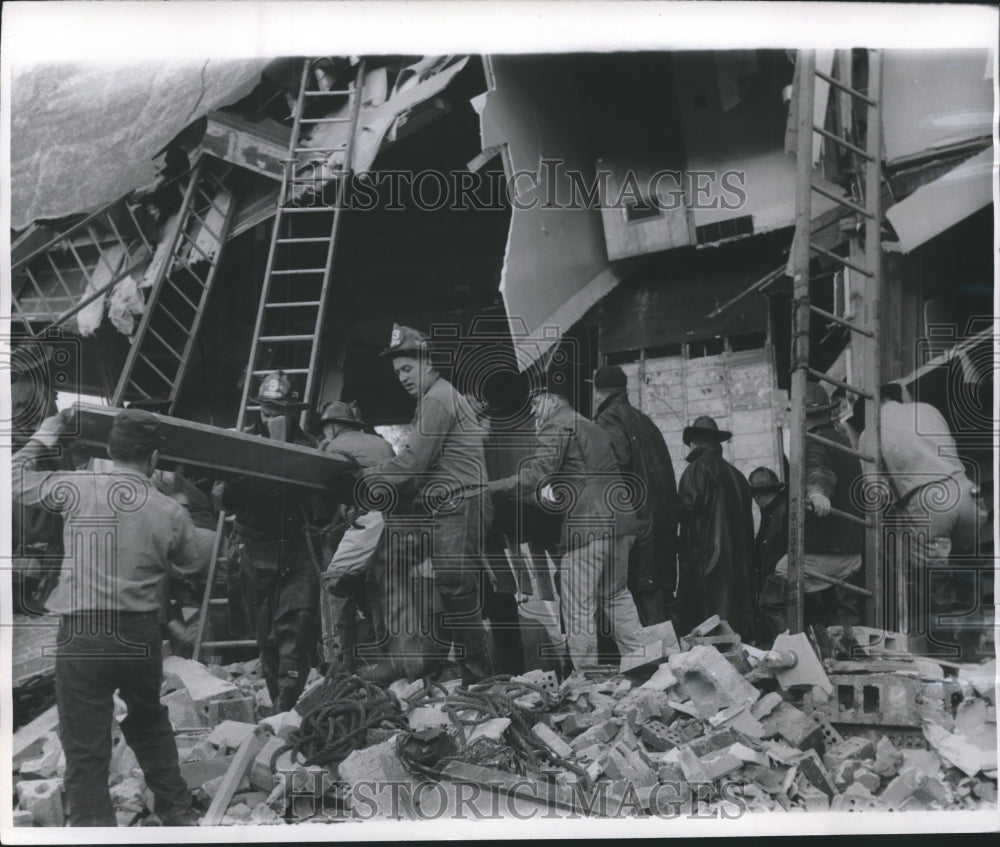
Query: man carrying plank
point(122, 538)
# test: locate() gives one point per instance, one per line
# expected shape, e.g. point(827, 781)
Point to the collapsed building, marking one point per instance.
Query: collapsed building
point(630, 209)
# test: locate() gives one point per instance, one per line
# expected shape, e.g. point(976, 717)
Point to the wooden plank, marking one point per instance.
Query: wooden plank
point(234, 776)
point(222, 453)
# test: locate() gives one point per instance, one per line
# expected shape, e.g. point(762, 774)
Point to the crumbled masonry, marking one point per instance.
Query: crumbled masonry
point(848, 732)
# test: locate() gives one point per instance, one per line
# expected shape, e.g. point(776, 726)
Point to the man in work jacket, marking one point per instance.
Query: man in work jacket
point(440, 473)
point(642, 452)
point(575, 470)
point(109, 631)
point(350, 579)
point(278, 575)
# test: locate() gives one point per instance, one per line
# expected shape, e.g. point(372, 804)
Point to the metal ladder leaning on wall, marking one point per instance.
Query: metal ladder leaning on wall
point(298, 275)
point(163, 342)
point(865, 262)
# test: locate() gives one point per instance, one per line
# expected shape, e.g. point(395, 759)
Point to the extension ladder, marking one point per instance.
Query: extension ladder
point(297, 279)
point(864, 260)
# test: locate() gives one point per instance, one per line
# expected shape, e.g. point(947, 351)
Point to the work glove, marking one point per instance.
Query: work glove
point(819, 503)
point(53, 428)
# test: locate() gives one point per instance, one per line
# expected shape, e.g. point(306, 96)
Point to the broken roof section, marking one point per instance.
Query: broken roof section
point(83, 135)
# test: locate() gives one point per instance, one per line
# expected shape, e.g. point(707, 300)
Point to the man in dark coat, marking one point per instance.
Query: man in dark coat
point(574, 470)
point(642, 452)
point(279, 579)
point(716, 542)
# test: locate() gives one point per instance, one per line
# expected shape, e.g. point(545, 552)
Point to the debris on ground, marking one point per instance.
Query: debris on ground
point(859, 725)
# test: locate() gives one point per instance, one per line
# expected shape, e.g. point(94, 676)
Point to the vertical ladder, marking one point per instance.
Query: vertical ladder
point(865, 261)
point(287, 334)
point(162, 345)
point(288, 331)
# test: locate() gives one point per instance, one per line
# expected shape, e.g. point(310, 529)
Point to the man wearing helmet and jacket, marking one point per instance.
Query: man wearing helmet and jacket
point(351, 577)
point(279, 580)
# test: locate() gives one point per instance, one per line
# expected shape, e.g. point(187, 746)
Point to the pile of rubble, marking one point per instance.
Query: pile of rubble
point(702, 723)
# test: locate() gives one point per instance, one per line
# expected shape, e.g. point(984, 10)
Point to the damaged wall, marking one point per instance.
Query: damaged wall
point(556, 265)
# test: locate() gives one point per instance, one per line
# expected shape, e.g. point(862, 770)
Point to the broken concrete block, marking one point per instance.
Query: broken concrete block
point(812, 768)
point(28, 741)
point(22, 817)
point(124, 762)
point(857, 798)
point(46, 763)
point(883, 699)
point(240, 812)
point(658, 643)
point(793, 726)
point(404, 689)
point(630, 769)
point(261, 774)
point(766, 704)
point(203, 685)
point(428, 717)
point(888, 759)
point(593, 753)
point(492, 729)
point(43, 798)
point(641, 705)
point(655, 734)
point(263, 698)
point(206, 793)
point(599, 734)
point(240, 709)
point(662, 679)
point(127, 795)
point(229, 735)
point(691, 766)
point(264, 814)
point(576, 723)
point(184, 714)
point(282, 724)
point(713, 742)
point(710, 681)
point(546, 680)
point(813, 799)
point(594, 770)
point(854, 748)
point(914, 784)
point(720, 763)
point(199, 772)
point(955, 750)
point(381, 766)
point(863, 776)
point(552, 741)
point(740, 719)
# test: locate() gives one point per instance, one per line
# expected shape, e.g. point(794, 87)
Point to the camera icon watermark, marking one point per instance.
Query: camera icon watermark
point(39, 367)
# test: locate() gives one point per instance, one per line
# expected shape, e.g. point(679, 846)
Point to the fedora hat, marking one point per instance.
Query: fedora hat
point(705, 426)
